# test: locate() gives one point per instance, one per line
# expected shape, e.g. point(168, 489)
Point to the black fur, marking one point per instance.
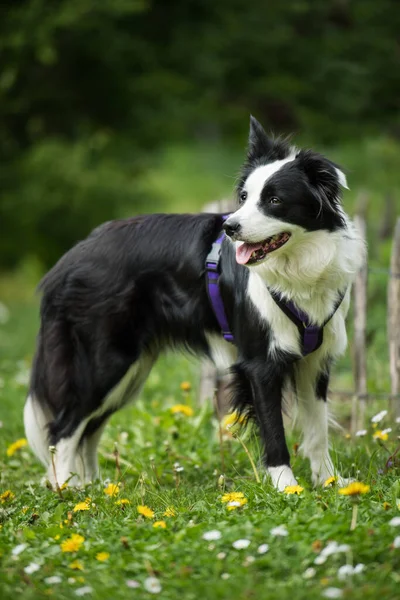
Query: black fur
point(308, 186)
point(135, 287)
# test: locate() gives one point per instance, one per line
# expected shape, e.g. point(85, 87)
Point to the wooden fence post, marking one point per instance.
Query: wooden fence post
point(394, 322)
point(359, 346)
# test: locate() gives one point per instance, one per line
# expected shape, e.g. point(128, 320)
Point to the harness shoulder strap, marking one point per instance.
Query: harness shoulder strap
point(212, 278)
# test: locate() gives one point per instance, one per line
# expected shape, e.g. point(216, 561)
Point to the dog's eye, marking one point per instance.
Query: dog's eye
point(274, 200)
point(242, 197)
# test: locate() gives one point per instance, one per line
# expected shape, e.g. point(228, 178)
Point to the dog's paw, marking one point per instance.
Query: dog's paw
point(282, 477)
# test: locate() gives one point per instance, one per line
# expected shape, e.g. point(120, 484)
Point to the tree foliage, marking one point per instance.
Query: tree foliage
point(88, 88)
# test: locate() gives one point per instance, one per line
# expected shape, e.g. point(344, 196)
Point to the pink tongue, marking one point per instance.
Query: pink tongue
point(244, 251)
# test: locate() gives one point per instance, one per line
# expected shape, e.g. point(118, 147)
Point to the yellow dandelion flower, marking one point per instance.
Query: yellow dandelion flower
point(145, 511)
point(63, 486)
point(330, 481)
point(161, 524)
point(76, 565)
point(102, 556)
point(82, 505)
point(7, 496)
point(122, 501)
point(293, 489)
point(185, 386)
point(232, 497)
point(354, 489)
point(12, 448)
point(233, 418)
point(112, 489)
point(182, 409)
point(73, 543)
point(169, 512)
point(234, 504)
point(24, 510)
point(381, 435)
point(56, 537)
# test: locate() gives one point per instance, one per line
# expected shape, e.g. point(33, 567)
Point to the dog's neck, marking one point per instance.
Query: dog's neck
point(314, 268)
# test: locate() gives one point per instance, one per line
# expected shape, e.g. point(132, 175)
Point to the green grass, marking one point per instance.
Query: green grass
point(150, 441)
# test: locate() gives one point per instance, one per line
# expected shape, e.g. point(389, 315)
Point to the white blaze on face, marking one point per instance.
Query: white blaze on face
point(255, 226)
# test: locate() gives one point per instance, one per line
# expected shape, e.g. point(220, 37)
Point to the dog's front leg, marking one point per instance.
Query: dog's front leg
point(313, 420)
point(266, 390)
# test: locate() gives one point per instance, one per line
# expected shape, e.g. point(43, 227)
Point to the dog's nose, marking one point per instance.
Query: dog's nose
point(231, 227)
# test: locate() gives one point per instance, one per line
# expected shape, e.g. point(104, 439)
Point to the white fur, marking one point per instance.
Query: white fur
point(310, 269)
point(223, 353)
point(65, 458)
point(342, 178)
point(35, 422)
point(255, 226)
point(281, 477)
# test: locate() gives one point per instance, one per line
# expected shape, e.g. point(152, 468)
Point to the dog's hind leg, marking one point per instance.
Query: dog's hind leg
point(87, 465)
point(124, 393)
point(62, 467)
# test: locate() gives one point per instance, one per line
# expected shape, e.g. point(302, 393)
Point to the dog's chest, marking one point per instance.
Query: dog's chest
point(284, 333)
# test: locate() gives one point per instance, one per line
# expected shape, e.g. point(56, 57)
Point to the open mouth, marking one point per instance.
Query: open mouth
point(250, 254)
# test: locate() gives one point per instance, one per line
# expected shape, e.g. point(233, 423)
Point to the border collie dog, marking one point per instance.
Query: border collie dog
point(135, 287)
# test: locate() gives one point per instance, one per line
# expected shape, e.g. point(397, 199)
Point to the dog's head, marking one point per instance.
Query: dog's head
point(283, 193)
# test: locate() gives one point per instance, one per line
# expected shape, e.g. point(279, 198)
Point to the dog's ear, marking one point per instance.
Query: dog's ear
point(259, 143)
point(341, 176)
point(263, 147)
point(323, 175)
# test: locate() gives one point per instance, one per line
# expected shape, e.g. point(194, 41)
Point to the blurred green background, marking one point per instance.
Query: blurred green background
point(115, 107)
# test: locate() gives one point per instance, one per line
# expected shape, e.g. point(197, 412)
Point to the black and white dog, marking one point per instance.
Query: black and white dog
point(137, 286)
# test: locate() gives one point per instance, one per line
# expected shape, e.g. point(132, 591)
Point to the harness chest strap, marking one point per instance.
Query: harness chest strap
point(311, 336)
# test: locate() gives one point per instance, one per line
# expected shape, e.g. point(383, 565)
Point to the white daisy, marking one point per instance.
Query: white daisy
point(263, 548)
point(345, 571)
point(309, 573)
point(279, 531)
point(241, 544)
point(152, 585)
point(379, 416)
point(132, 583)
point(332, 592)
point(32, 568)
point(388, 430)
point(211, 536)
point(221, 555)
point(225, 576)
point(395, 522)
point(86, 589)
point(396, 542)
point(18, 549)
point(330, 548)
point(53, 580)
point(361, 433)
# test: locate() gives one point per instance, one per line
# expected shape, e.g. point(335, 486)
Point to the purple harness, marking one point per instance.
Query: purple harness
point(311, 336)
